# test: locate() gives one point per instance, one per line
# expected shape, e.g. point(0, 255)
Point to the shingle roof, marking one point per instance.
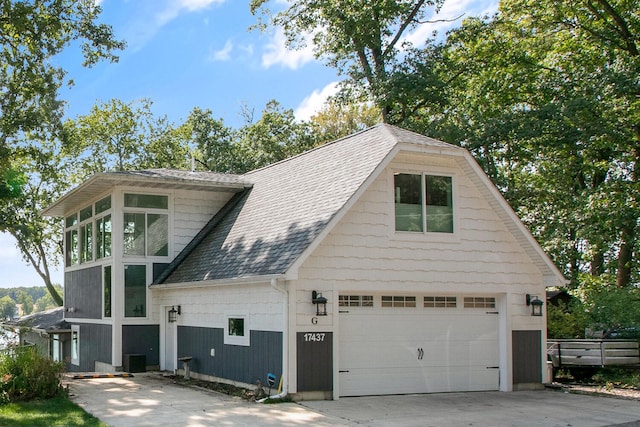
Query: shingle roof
point(49, 320)
point(289, 205)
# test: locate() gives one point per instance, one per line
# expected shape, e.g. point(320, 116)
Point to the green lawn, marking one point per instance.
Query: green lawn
point(59, 411)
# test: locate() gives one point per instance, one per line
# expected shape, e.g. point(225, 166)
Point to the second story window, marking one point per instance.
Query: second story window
point(423, 203)
point(146, 225)
point(88, 233)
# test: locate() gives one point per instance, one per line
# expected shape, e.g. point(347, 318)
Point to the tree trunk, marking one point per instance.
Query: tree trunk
point(625, 256)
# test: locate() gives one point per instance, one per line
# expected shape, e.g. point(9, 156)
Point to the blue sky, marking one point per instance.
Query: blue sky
point(183, 54)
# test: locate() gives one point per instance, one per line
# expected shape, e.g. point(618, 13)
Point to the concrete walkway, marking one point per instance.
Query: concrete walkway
point(151, 400)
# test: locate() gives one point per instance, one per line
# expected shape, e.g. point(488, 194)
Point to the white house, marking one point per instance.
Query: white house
point(382, 263)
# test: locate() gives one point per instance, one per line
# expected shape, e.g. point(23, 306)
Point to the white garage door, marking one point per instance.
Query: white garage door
point(417, 344)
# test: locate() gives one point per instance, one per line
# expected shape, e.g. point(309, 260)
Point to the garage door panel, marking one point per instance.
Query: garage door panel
point(399, 380)
point(416, 350)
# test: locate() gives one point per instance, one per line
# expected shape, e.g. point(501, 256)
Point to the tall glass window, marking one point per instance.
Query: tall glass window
point(107, 290)
point(135, 290)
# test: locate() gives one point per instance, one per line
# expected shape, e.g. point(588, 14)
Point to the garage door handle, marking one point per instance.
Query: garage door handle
point(341, 372)
point(493, 367)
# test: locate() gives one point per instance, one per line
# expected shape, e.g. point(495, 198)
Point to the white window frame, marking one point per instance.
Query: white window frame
point(235, 339)
point(419, 236)
point(146, 212)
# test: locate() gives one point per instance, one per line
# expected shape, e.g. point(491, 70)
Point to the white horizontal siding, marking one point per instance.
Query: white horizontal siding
point(363, 250)
point(193, 209)
point(209, 306)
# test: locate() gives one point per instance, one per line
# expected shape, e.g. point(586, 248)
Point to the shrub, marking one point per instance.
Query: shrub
point(27, 375)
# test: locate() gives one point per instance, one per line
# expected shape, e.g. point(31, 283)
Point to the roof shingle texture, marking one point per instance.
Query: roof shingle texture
point(291, 202)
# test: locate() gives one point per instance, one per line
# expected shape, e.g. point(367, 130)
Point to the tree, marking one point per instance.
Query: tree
point(118, 136)
point(32, 33)
point(546, 100)
point(26, 301)
point(7, 308)
point(213, 140)
point(363, 39)
point(274, 137)
point(338, 119)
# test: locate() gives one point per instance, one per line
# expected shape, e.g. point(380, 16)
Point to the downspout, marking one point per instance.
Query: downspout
point(285, 342)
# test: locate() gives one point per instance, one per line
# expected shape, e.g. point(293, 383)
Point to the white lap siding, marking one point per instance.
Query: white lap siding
point(363, 255)
point(193, 210)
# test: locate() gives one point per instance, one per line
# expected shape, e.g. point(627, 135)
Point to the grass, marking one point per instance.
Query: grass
point(59, 411)
point(618, 377)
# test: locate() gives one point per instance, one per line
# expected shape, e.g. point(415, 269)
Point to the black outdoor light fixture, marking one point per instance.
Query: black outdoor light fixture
point(536, 305)
point(173, 313)
point(320, 302)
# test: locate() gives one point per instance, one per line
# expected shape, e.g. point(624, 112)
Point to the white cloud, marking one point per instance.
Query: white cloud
point(277, 53)
point(145, 26)
point(223, 54)
point(173, 8)
point(314, 102)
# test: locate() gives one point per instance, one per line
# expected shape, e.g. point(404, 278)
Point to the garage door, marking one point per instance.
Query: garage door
point(417, 344)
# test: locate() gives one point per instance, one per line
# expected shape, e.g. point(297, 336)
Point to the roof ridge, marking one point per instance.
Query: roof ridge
point(319, 147)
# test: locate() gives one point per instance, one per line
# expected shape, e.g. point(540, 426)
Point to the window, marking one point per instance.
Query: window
point(237, 330)
point(103, 237)
point(135, 290)
point(423, 202)
point(75, 345)
point(106, 278)
point(398, 301)
point(88, 234)
point(72, 255)
point(440, 302)
point(479, 302)
point(355, 300)
point(146, 233)
point(236, 327)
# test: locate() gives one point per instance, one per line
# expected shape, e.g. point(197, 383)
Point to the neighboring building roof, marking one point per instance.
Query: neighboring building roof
point(80, 196)
point(50, 321)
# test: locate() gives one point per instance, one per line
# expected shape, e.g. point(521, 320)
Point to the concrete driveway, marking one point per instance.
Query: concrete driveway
point(151, 400)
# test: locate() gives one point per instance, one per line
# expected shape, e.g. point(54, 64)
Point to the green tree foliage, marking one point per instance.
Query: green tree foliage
point(7, 308)
point(362, 39)
point(338, 119)
point(26, 301)
point(275, 136)
point(27, 375)
point(32, 33)
point(547, 100)
point(118, 136)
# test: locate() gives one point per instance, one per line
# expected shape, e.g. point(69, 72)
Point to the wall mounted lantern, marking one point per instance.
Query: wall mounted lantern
point(535, 304)
point(320, 302)
point(173, 313)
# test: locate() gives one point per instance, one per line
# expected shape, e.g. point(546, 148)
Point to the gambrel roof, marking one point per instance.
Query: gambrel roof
point(270, 228)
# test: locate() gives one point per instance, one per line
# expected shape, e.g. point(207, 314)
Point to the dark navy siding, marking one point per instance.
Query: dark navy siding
point(142, 339)
point(234, 362)
point(83, 292)
point(95, 345)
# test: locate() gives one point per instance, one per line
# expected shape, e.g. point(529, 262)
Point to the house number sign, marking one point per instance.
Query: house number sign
point(314, 337)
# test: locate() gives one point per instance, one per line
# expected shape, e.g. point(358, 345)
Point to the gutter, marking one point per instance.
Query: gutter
point(285, 342)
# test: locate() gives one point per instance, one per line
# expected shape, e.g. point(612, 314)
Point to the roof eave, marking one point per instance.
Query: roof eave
point(104, 182)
